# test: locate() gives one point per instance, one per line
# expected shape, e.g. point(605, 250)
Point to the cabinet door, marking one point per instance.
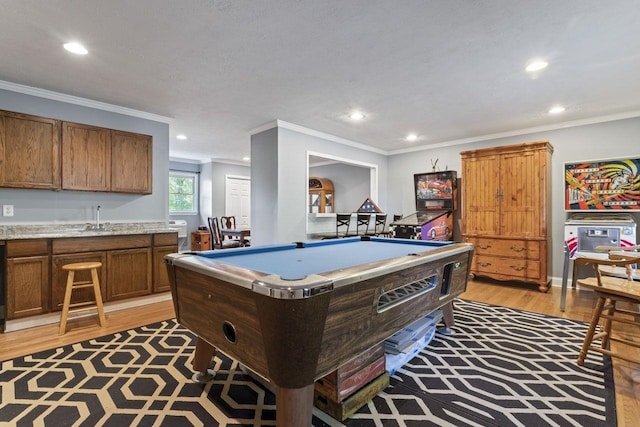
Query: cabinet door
point(520, 202)
point(131, 162)
point(480, 185)
point(129, 273)
point(27, 286)
point(86, 157)
point(29, 151)
point(59, 278)
point(160, 276)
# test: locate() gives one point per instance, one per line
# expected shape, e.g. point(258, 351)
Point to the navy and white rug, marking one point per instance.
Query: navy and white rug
point(502, 367)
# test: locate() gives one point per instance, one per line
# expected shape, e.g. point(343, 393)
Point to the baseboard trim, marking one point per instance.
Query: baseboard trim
point(49, 318)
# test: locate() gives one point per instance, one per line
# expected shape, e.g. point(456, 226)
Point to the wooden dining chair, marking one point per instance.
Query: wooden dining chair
point(612, 291)
point(217, 241)
point(397, 217)
point(228, 221)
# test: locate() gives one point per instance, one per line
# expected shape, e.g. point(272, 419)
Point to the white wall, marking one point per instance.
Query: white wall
point(351, 184)
point(264, 188)
point(614, 139)
point(279, 184)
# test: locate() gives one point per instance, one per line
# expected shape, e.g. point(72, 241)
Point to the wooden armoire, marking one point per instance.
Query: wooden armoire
point(506, 211)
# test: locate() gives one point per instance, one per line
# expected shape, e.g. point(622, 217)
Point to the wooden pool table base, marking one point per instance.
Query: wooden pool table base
point(292, 314)
point(294, 405)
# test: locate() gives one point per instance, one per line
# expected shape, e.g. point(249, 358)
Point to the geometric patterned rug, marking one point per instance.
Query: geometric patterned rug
point(501, 367)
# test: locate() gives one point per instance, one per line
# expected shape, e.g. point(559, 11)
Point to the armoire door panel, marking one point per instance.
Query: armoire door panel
point(520, 181)
point(481, 214)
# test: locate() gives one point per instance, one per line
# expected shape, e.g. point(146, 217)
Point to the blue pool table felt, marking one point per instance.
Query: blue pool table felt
point(293, 263)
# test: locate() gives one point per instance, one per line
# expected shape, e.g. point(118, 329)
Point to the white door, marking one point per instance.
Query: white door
point(238, 200)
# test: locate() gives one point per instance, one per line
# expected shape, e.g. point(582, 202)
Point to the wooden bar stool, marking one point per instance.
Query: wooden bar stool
point(67, 307)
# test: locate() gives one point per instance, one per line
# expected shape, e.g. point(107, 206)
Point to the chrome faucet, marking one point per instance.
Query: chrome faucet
point(96, 226)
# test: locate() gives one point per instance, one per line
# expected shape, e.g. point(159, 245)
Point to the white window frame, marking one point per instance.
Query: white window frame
point(196, 194)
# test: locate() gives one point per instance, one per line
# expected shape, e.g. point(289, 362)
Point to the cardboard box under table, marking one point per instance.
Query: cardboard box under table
point(348, 388)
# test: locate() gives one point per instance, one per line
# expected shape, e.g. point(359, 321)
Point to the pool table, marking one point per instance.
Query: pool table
point(292, 313)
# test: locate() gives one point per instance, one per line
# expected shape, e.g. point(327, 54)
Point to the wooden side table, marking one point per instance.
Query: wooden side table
point(200, 240)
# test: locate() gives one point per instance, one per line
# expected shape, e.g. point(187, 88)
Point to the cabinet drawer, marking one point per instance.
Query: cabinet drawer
point(529, 249)
point(520, 268)
point(16, 248)
point(165, 239)
point(90, 244)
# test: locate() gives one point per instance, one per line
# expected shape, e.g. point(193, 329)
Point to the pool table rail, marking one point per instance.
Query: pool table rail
point(275, 286)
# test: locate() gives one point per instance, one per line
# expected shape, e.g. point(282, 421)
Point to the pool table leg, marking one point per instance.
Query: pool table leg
point(294, 406)
point(447, 319)
point(201, 359)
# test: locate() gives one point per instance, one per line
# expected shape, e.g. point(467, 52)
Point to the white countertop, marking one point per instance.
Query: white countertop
point(53, 231)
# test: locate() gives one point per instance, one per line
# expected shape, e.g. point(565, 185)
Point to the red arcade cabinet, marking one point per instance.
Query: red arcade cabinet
point(436, 196)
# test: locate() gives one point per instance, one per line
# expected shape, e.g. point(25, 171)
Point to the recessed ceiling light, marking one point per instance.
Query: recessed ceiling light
point(536, 65)
point(356, 115)
point(412, 137)
point(181, 136)
point(76, 48)
point(557, 109)
point(246, 158)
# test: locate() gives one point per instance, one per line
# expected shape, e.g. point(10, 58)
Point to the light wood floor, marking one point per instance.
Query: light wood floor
point(524, 297)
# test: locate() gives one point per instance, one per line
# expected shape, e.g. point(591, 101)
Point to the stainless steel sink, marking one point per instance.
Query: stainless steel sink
point(97, 228)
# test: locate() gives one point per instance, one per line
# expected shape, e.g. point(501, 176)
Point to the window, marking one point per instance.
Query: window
point(183, 193)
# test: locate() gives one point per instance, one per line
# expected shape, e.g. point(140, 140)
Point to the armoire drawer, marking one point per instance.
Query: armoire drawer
point(505, 248)
point(519, 268)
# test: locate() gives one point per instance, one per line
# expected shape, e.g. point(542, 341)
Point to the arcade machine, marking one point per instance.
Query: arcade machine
point(599, 192)
point(436, 196)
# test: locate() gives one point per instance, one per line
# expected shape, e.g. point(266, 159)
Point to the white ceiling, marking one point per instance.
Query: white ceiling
point(448, 70)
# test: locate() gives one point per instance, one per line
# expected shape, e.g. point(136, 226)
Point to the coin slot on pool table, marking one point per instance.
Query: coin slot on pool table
point(446, 279)
point(397, 296)
point(229, 332)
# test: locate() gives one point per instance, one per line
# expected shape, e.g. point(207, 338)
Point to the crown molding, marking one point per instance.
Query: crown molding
point(84, 102)
point(317, 134)
point(186, 160)
point(329, 137)
point(535, 129)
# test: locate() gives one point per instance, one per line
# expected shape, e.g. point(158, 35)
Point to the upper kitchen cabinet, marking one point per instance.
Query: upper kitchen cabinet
point(42, 153)
point(131, 162)
point(99, 159)
point(29, 151)
point(86, 157)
